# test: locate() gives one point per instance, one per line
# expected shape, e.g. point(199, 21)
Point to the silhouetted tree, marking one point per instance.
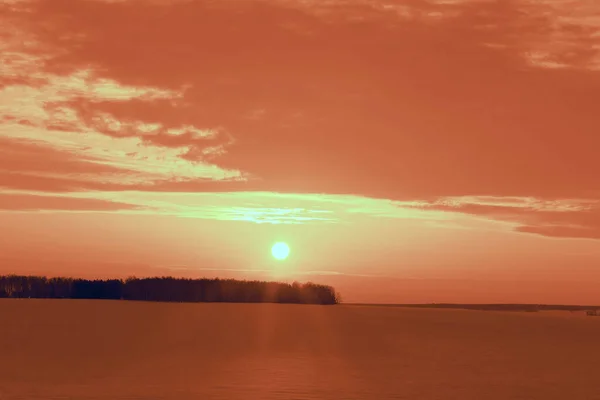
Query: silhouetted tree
point(167, 289)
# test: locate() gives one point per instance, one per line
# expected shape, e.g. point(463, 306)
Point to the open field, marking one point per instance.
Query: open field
point(92, 349)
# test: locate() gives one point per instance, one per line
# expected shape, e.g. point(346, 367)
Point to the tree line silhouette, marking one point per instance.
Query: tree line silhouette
point(501, 307)
point(167, 289)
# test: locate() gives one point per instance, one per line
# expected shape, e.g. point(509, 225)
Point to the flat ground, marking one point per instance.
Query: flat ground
point(69, 349)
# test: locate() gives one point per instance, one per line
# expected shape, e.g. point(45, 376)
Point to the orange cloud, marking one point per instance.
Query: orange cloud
point(31, 202)
point(31, 165)
point(309, 97)
point(560, 218)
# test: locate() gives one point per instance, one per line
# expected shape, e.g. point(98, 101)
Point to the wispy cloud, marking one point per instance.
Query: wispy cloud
point(572, 218)
point(253, 207)
point(552, 34)
point(43, 106)
point(32, 202)
point(561, 33)
point(344, 101)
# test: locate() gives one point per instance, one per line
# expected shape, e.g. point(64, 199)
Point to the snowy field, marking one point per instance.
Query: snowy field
point(84, 350)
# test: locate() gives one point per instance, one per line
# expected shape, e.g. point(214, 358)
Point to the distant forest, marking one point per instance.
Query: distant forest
point(496, 307)
point(167, 289)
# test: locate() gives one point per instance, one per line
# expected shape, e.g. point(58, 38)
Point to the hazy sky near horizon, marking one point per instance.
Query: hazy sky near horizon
point(407, 151)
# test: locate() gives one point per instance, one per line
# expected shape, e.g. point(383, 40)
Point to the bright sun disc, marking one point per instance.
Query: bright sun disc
point(280, 250)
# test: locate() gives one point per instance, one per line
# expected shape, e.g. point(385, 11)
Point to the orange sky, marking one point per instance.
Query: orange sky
point(407, 151)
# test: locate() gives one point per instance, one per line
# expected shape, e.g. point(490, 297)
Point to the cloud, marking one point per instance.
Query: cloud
point(47, 107)
point(34, 165)
point(570, 37)
point(40, 165)
point(392, 127)
point(558, 218)
point(31, 156)
point(251, 207)
point(33, 202)
point(564, 231)
point(552, 34)
point(337, 97)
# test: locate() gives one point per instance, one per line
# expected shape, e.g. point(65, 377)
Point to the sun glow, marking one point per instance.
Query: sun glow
point(280, 250)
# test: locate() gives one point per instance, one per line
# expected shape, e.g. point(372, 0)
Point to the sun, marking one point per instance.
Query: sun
point(280, 250)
